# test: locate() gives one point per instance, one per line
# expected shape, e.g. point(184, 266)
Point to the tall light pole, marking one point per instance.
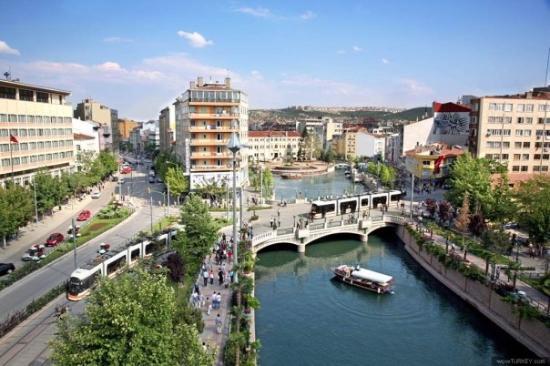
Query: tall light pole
point(261, 185)
point(35, 200)
point(234, 146)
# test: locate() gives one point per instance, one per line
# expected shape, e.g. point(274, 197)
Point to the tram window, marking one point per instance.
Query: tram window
point(329, 208)
point(365, 202)
point(113, 266)
point(134, 254)
point(378, 200)
point(395, 197)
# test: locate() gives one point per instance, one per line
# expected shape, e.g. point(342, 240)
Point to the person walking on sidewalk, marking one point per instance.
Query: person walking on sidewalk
point(205, 277)
point(219, 324)
point(211, 277)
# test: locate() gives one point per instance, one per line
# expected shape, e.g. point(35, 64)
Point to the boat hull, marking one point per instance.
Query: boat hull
point(365, 285)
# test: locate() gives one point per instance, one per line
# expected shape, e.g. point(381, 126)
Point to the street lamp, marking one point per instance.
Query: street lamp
point(234, 146)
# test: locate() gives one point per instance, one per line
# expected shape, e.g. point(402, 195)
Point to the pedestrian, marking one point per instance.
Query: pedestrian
point(232, 275)
point(219, 324)
point(209, 307)
point(194, 299)
point(211, 277)
point(278, 213)
point(220, 276)
point(205, 277)
point(271, 222)
point(197, 289)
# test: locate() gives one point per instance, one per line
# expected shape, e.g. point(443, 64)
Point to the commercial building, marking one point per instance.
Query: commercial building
point(206, 116)
point(167, 128)
point(431, 163)
point(90, 110)
point(85, 140)
point(514, 130)
point(36, 123)
point(125, 126)
point(449, 125)
point(323, 127)
point(272, 145)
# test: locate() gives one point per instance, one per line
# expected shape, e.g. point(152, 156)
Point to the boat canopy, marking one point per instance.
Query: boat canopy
point(369, 275)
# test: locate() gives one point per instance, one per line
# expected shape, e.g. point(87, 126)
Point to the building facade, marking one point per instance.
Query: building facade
point(272, 145)
point(513, 130)
point(90, 110)
point(206, 116)
point(125, 126)
point(40, 120)
point(167, 128)
point(431, 163)
point(85, 140)
point(344, 145)
point(323, 127)
point(370, 145)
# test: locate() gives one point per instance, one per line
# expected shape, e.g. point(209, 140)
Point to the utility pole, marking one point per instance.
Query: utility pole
point(74, 241)
point(412, 194)
point(151, 209)
point(35, 202)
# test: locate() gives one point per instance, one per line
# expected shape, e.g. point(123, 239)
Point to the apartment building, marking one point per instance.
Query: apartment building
point(433, 162)
point(272, 145)
point(345, 144)
point(167, 128)
point(125, 126)
point(514, 130)
point(206, 116)
point(40, 120)
point(91, 110)
point(324, 127)
point(85, 140)
point(370, 145)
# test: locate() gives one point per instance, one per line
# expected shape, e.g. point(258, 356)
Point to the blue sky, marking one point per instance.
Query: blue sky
point(137, 56)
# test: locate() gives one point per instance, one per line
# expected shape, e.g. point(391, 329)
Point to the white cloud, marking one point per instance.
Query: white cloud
point(256, 12)
point(109, 67)
point(385, 61)
point(116, 39)
point(308, 15)
point(415, 87)
point(356, 49)
point(5, 48)
point(195, 39)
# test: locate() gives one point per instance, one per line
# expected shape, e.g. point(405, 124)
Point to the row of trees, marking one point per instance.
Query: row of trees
point(385, 173)
point(484, 198)
point(17, 203)
point(171, 171)
point(262, 181)
point(137, 318)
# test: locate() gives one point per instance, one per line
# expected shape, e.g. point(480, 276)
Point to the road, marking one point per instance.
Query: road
point(36, 284)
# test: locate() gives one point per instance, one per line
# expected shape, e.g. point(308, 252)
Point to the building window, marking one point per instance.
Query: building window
point(7, 93)
point(42, 97)
point(542, 107)
point(517, 157)
point(25, 94)
point(524, 168)
point(526, 145)
point(515, 168)
point(525, 157)
point(541, 120)
point(13, 118)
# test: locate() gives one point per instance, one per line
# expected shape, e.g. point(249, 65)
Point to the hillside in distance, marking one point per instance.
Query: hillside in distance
point(291, 114)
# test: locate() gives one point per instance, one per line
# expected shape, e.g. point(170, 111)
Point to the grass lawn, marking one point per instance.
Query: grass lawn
point(254, 208)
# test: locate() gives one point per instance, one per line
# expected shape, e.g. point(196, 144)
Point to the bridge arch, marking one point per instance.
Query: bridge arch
point(354, 233)
point(270, 244)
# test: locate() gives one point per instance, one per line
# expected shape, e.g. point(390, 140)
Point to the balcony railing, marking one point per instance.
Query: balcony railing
point(213, 115)
point(202, 168)
point(210, 155)
point(208, 142)
point(212, 129)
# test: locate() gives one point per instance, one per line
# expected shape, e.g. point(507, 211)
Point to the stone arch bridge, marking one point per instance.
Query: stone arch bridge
point(321, 229)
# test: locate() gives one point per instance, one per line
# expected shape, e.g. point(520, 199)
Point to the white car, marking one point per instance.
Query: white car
point(96, 194)
point(35, 253)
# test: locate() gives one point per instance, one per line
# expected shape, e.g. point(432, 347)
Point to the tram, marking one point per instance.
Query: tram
point(109, 264)
point(351, 204)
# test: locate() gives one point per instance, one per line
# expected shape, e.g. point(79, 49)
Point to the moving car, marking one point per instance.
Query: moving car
point(152, 179)
point(6, 268)
point(96, 194)
point(126, 170)
point(54, 239)
point(84, 215)
point(34, 253)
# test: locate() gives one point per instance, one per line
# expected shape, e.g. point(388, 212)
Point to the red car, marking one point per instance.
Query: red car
point(84, 215)
point(54, 239)
point(126, 170)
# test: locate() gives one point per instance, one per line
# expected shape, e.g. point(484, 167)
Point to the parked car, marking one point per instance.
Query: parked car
point(96, 194)
point(84, 215)
point(6, 268)
point(152, 179)
point(126, 170)
point(34, 253)
point(54, 239)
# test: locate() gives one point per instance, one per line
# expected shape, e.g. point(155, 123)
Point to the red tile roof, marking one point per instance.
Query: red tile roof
point(449, 107)
point(273, 134)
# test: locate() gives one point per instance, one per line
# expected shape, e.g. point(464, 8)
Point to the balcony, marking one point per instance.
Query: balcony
point(208, 142)
point(221, 116)
point(212, 129)
point(210, 155)
point(206, 168)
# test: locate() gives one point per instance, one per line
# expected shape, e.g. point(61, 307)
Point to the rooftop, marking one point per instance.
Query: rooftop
point(437, 150)
point(19, 84)
point(540, 93)
point(274, 134)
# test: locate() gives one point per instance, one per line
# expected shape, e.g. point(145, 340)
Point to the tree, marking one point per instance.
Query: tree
point(200, 230)
point(502, 207)
point(176, 181)
point(444, 211)
point(175, 266)
point(16, 209)
point(46, 192)
point(472, 177)
point(431, 206)
point(463, 220)
point(132, 320)
point(533, 213)
point(477, 224)
point(496, 240)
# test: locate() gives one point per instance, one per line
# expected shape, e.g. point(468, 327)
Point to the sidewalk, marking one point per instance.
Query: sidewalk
point(35, 233)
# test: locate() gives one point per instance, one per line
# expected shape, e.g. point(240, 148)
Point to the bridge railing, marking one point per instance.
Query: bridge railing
point(263, 236)
point(317, 226)
point(284, 231)
point(334, 224)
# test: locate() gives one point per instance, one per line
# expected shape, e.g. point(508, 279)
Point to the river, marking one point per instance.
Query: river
point(306, 318)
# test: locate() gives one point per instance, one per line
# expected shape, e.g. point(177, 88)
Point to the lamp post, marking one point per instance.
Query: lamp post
point(234, 146)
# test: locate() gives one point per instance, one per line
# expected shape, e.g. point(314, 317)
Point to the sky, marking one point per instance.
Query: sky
point(138, 56)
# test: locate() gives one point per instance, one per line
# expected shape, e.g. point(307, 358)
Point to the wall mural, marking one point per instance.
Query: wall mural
point(451, 123)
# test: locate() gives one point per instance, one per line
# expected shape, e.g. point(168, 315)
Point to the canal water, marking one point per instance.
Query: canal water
point(307, 318)
point(334, 183)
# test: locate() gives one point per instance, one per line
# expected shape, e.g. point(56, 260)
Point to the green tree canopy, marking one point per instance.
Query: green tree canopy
point(132, 320)
point(200, 230)
point(16, 208)
point(176, 181)
point(533, 214)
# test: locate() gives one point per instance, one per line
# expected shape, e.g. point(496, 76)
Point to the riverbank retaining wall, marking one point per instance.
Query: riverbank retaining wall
point(532, 333)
